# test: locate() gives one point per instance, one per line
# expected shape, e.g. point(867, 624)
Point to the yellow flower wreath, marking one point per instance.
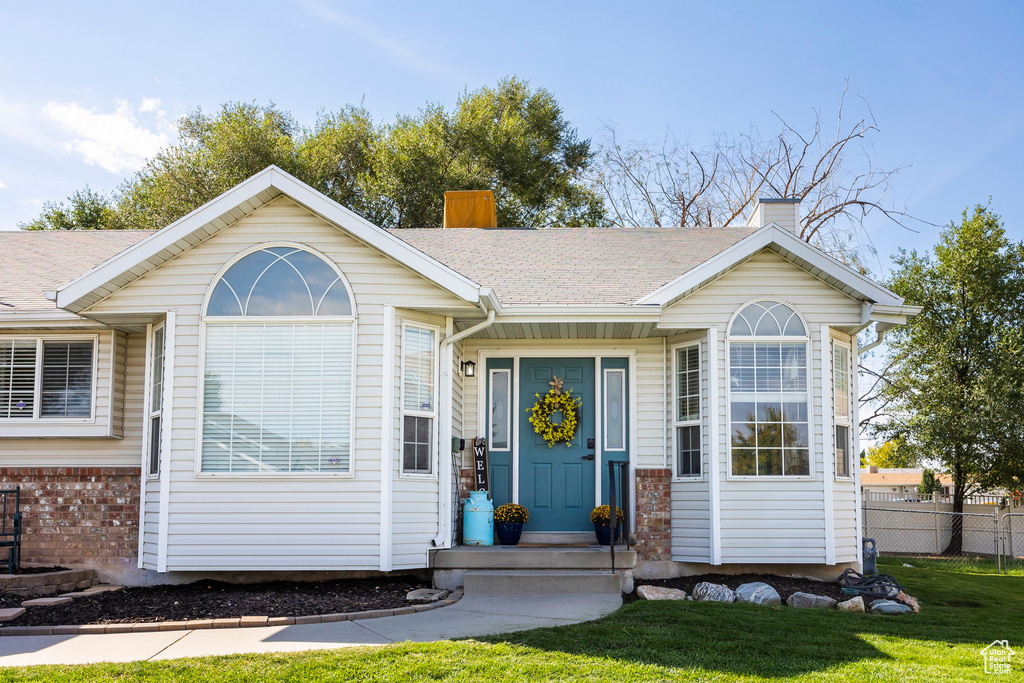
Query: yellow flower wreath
point(550, 403)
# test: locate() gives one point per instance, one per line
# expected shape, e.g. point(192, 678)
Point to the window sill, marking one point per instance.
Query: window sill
point(275, 475)
point(689, 480)
point(45, 429)
point(770, 477)
point(416, 476)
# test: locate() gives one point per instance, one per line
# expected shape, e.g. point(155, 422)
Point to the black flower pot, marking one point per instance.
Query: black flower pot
point(604, 533)
point(509, 532)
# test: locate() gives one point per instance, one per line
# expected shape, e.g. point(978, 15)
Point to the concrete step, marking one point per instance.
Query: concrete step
point(534, 582)
point(503, 557)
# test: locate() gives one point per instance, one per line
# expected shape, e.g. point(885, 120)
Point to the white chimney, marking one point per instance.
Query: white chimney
point(785, 213)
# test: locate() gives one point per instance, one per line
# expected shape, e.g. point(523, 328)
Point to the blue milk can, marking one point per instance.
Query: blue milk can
point(478, 519)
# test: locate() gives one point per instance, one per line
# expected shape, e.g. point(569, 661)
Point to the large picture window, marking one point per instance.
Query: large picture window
point(419, 401)
point(277, 390)
point(687, 411)
point(46, 378)
point(768, 416)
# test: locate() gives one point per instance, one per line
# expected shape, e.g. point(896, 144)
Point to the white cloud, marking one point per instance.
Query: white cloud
point(116, 142)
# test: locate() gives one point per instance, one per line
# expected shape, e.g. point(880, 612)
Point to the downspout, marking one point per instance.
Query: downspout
point(880, 330)
point(445, 351)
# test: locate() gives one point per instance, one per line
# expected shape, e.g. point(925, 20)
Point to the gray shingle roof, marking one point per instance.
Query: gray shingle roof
point(572, 265)
point(568, 266)
point(33, 262)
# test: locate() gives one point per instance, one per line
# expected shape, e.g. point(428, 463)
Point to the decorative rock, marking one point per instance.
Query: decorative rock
point(9, 613)
point(810, 601)
point(909, 601)
point(908, 565)
point(758, 593)
point(427, 595)
point(46, 602)
point(889, 607)
point(853, 605)
point(659, 593)
point(713, 592)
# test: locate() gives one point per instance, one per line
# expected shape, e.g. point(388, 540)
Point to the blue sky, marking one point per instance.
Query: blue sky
point(88, 90)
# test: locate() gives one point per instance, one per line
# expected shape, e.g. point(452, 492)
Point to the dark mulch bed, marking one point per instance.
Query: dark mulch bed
point(214, 599)
point(785, 585)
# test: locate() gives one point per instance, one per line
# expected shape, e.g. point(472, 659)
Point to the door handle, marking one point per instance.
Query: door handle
point(588, 456)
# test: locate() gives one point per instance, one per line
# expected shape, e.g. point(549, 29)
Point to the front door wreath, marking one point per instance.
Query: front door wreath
point(556, 401)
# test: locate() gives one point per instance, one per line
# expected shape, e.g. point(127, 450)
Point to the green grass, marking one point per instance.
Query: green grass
point(959, 565)
point(648, 641)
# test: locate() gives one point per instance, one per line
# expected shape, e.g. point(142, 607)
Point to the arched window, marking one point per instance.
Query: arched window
point(277, 390)
point(768, 417)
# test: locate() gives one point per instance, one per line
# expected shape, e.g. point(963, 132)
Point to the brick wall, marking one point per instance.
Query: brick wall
point(654, 514)
point(77, 515)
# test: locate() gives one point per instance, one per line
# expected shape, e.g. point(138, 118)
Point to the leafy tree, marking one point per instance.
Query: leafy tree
point(510, 138)
point(894, 453)
point(86, 210)
point(929, 483)
point(957, 369)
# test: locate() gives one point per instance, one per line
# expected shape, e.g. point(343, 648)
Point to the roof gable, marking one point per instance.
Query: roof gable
point(236, 203)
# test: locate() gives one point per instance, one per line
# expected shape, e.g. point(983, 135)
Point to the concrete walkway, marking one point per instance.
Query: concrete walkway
point(473, 615)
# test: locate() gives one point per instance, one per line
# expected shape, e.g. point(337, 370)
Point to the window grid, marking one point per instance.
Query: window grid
point(687, 412)
point(419, 402)
point(47, 378)
point(156, 398)
point(841, 376)
point(768, 392)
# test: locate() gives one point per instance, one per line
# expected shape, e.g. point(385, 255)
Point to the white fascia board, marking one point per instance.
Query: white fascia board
point(576, 314)
point(763, 238)
point(47, 319)
point(897, 314)
point(271, 178)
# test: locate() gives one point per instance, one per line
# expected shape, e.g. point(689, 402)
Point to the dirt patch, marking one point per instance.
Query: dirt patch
point(785, 585)
point(217, 600)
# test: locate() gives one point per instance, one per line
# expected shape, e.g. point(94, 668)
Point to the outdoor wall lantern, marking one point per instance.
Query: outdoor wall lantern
point(468, 368)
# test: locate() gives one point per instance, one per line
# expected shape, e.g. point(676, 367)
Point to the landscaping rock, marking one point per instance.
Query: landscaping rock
point(853, 605)
point(758, 593)
point(713, 592)
point(46, 602)
point(9, 613)
point(910, 601)
point(659, 593)
point(427, 595)
point(810, 601)
point(889, 607)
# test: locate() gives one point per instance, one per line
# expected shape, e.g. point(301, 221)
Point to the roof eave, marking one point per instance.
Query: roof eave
point(234, 204)
point(771, 235)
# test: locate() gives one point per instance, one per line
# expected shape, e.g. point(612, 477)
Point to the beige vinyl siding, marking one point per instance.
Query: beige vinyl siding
point(844, 496)
point(776, 520)
point(150, 523)
point(415, 499)
point(119, 386)
point(276, 522)
point(691, 498)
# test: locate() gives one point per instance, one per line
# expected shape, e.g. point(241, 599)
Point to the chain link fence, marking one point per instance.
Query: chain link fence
point(937, 539)
point(1012, 543)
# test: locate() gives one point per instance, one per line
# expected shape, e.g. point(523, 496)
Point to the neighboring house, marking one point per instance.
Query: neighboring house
point(899, 482)
point(273, 383)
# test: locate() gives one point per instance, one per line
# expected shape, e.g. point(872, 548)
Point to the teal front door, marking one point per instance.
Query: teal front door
point(556, 483)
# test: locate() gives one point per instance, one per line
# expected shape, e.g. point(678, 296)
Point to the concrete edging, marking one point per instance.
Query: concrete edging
point(235, 622)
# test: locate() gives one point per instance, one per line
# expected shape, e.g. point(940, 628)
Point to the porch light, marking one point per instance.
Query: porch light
point(468, 368)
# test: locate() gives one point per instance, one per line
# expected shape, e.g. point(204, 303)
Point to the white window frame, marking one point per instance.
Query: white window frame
point(37, 418)
point(806, 340)
point(508, 409)
point(604, 409)
point(848, 420)
point(201, 377)
point(676, 422)
point(432, 414)
point(149, 412)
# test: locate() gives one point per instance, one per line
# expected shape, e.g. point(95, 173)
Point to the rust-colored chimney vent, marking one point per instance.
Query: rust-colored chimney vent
point(470, 209)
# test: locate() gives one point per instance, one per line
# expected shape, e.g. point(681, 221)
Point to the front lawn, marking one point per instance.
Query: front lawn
point(648, 641)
